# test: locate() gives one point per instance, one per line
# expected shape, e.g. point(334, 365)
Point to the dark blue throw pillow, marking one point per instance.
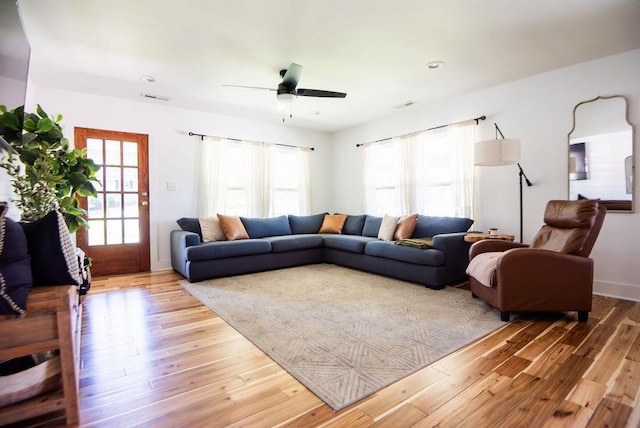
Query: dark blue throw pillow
point(306, 223)
point(262, 227)
point(15, 266)
point(190, 224)
point(53, 257)
point(371, 226)
point(354, 224)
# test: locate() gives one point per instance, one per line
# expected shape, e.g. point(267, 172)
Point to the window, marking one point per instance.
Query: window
point(429, 172)
point(253, 179)
point(289, 178)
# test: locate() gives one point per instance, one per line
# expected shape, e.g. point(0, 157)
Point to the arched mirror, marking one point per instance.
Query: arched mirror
point(601, 158)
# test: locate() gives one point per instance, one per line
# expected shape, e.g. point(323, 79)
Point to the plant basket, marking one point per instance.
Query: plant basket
point(36, 380)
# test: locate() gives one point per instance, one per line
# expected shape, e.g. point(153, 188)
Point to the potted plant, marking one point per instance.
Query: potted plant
point(46, 174)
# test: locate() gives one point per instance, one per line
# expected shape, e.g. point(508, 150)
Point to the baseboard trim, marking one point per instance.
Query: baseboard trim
point(617, 290)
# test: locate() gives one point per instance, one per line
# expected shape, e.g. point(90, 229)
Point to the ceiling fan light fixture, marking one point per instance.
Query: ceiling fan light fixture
point(285, 98)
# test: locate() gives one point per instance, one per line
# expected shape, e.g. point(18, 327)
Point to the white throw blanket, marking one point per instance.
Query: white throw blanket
point(483, 267)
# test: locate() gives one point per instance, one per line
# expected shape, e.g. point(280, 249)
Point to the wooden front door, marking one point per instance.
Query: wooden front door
point(118, 234)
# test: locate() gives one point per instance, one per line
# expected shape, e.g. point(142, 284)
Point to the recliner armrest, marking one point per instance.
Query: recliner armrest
point(535, 279)
point(493, 245)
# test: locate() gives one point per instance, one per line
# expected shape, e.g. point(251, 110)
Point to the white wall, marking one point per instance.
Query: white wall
point(173, 154)
point(537, 110)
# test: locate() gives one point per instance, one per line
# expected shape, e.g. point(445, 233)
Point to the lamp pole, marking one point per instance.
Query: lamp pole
point(521, 174)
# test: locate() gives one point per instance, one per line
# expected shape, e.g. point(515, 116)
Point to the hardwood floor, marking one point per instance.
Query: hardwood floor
point(153, 355)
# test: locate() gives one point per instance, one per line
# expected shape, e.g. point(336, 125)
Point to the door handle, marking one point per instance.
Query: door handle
point(144, 203)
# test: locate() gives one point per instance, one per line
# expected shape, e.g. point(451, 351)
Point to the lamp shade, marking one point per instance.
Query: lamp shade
point(497, 152)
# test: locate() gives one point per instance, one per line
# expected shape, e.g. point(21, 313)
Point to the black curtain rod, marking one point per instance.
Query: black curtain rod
point(262, 142)
point(477, 119)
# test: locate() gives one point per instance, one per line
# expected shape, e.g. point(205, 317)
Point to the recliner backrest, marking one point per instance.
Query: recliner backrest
point(571, 227)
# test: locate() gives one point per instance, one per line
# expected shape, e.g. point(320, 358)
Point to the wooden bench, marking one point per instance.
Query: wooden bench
point(52, 323)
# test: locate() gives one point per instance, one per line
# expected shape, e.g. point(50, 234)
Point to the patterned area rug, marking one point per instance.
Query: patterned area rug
point(343, 333)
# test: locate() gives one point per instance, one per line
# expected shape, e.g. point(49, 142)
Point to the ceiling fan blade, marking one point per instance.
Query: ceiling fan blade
point(319, 93)
point(292, 76)
point(249, 87)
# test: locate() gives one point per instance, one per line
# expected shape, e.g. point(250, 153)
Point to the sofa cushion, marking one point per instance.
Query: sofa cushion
point(389, 250)
point(354, 224)
point(406, 226)
point(306, 223)
point(226, 249)
point(429, 226)
point(281, 244)
point(53, 254)
point(371, 226)
point(387, 227)
point(333, 223)
point(232, 227)
point(262, 227)
point(211, 229)
point(190, 224)
point(15, 266)
point(350, 243)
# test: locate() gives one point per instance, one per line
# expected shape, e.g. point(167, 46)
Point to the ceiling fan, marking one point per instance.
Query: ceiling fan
point(287, 89)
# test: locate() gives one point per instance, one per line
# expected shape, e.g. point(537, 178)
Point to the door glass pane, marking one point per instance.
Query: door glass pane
point(130, 205)
point(95, 206)
point(114, 232)
point(112, 149)
point(114, 205)
point(130, 179)
point(129, 153)
point(95, 233)
point(113, 179)
point(94, 150)
point(131, 231)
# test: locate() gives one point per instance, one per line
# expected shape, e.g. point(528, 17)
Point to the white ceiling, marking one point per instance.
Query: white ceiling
point(375, 50)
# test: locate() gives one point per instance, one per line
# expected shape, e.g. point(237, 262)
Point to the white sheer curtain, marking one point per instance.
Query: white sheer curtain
point(382, 178)
point(252, 179)
point(463, 136)
point(212, 183)
point(429, 172)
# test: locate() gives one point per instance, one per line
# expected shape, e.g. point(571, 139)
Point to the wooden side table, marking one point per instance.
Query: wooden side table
point(475, 237)
point(52, 322)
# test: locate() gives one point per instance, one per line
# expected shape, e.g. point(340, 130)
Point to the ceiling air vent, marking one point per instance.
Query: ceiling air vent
point(403, 105)
point(154, 97)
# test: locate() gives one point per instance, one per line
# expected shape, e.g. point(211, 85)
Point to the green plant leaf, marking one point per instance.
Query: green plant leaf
point(44, 125)
point(28, 138)
point(10, 120)
point(40, 111)
point(29, 125)
point(86, 189)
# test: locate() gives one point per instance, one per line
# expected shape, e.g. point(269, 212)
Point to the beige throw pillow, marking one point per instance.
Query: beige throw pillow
point(211, 229)
point(387, 227)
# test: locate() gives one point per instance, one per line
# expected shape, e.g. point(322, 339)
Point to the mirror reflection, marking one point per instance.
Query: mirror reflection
point(601, 153)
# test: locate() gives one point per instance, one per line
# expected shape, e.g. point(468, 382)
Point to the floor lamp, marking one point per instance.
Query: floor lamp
point(499, 152)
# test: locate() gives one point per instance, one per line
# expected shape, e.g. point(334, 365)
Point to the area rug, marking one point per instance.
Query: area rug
point(343, 333)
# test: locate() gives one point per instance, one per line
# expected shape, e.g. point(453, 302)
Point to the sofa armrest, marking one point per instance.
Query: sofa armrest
point(180, 240)
point(456, 254)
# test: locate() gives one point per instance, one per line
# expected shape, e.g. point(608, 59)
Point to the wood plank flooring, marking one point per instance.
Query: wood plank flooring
point(153, 355)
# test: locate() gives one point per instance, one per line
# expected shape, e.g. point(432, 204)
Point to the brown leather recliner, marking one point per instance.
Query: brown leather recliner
point(553, 274)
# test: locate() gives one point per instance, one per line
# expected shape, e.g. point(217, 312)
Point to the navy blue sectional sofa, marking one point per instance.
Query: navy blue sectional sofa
point(289, 241)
